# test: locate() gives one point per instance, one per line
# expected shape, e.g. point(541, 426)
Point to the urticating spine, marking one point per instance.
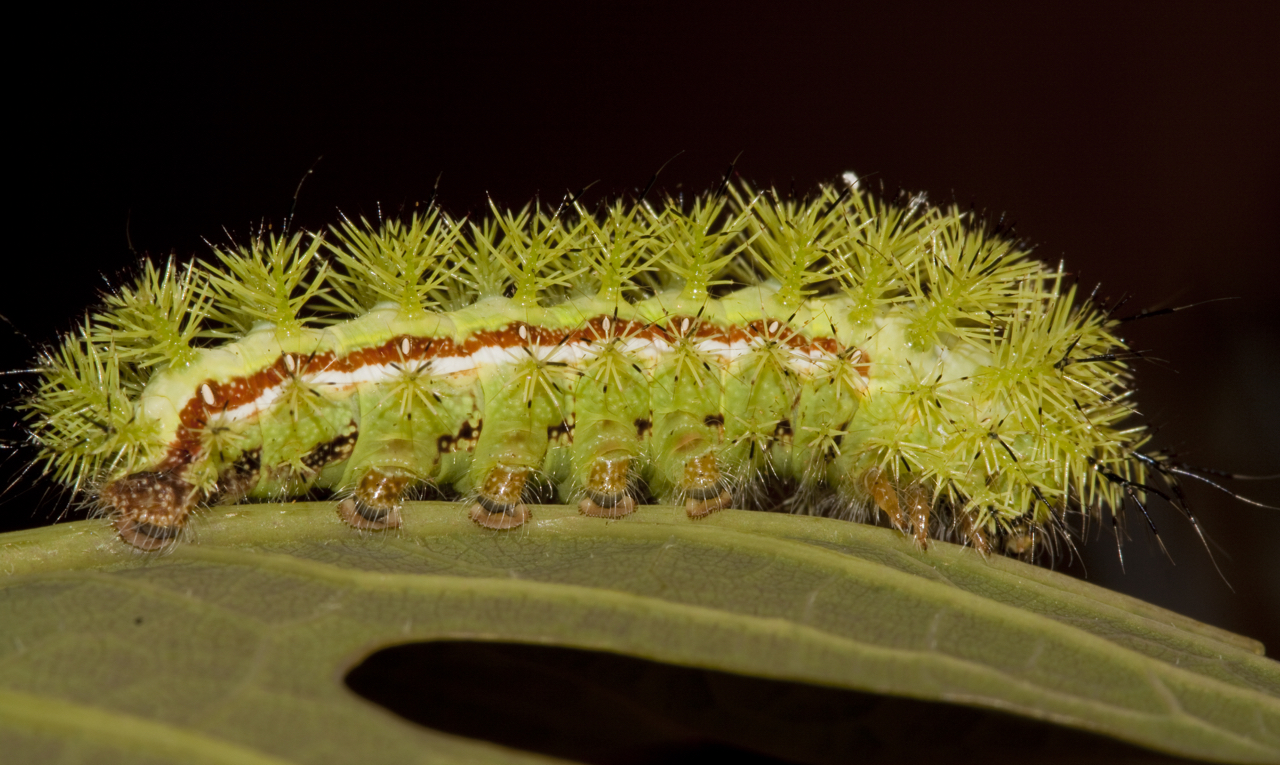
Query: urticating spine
point(867, 356)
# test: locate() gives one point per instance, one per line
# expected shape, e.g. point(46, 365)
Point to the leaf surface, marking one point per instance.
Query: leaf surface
point(233, 648)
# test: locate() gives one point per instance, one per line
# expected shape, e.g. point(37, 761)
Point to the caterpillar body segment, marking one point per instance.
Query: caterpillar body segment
point(873, 360)
point(612, 421)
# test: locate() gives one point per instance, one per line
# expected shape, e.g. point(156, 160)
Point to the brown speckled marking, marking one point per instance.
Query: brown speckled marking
point(466, 439)
point(561, 433)
point(782, 432)
point(149, 510)
point(238, 479)
point(702, 488)
point(608, 489)
point(377, 500)
point(329, 452)
point(499, 505)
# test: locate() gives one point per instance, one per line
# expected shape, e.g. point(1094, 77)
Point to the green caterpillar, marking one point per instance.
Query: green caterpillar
point(867, 357)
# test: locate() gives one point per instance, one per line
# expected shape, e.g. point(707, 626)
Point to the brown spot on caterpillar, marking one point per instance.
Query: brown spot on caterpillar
point(838, 438)
point(560, 433)
point(862, 363)
point(465, 440)
point(332, 451)
point(643, 428)
point(238, 479)
point(782, 431)
point(714, 421)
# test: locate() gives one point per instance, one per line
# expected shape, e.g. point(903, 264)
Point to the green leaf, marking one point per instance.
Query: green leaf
point(233, 648)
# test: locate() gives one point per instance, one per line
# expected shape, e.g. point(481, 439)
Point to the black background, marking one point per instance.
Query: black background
point(1139, 142)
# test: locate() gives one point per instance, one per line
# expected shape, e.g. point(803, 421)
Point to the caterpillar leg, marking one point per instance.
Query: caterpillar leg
point(149, 510)
point(377, 500)
point(500, 504)
point(703, 487)
point(608, 489)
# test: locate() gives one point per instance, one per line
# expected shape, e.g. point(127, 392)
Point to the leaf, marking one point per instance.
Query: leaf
point(233, 648)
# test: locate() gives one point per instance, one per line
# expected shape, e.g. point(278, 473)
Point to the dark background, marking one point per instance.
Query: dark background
point(1138, 142)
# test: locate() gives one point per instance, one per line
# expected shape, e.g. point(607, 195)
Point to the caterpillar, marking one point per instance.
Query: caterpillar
point(837, 354)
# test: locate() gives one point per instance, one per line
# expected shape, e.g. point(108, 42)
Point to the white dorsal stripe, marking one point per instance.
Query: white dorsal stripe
point(488, 358)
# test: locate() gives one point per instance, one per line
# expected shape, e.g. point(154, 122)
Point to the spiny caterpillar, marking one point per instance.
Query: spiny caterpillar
point(868, 357)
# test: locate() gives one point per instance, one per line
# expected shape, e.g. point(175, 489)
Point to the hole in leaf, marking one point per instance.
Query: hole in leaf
point(617, 710)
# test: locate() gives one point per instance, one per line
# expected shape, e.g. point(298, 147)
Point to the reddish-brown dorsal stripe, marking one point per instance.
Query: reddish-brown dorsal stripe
point(239, 391)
